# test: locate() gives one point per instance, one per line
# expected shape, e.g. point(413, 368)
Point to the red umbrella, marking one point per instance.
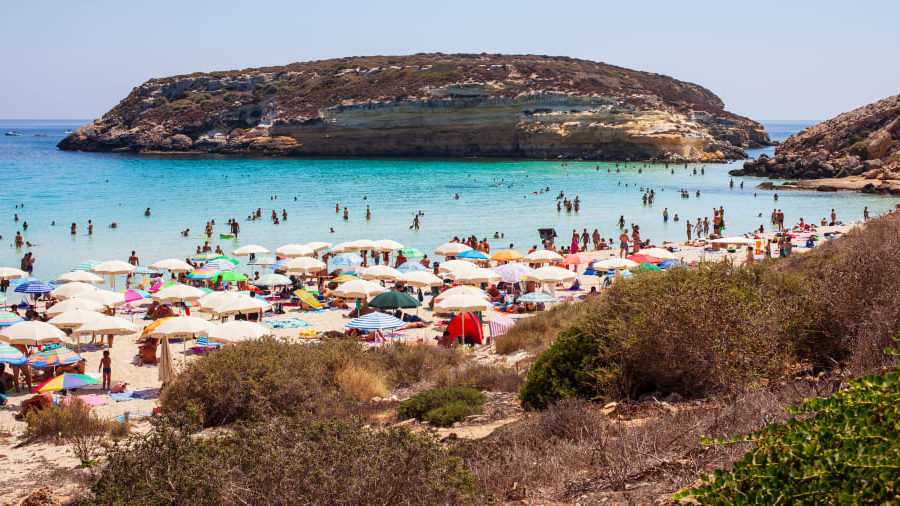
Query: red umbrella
point(644, 259)
point(576, 259)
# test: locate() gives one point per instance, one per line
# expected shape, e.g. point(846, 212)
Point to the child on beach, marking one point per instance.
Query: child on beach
point(106, 368)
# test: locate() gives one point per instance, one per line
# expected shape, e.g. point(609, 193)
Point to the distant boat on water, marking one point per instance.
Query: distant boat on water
point(67, 131)
point(13, 133)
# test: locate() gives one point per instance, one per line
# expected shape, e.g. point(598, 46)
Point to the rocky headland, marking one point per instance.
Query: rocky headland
point(427, 105)
point(857, 150)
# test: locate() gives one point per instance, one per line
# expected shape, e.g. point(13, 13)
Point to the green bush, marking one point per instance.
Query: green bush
point(846, 452)
point(860, 148)
point(442, 406)
point(689, 331)
point(158, 101)
point(284, 460)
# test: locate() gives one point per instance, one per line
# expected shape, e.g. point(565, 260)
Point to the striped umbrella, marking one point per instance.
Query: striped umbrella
point(53, 357)
point(376, 321)
point(16, 282)
point(412, 253)
point(499, 325)
point(346, 260)
point(86, 265)
point(35, 287)
point(279, 265)
point(537, 297)
point(202, 274)
point(232, 260)
point(512, 272)
point(219, 264)
point(308, 299)
point(148, 330)
point(143, 270)
point(2, 298)
point(10, 355)
point(203, 257)
point(411, 267)
point(273, 280)
point(65, 381)
point(7, 319)
point(344, 277)
point(132, 294)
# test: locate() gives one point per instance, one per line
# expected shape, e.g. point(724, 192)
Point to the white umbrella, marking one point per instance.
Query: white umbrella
point(380, 272)
point(362, 244)
point(551, 275)
point(615, 263)
point(73, 289)
point(241, 305)
point(172, 265)
point(107, 325)
point(32, 333)
point(113, 268)
point(250, 249)
point(451, 249)
point(342, 247)
point(420, 278)
point(236, 331)
point(178, 293)
point(304, 265)
point(80, 277)
point(74, 304)
point(182, 326)
point(475, 275)
point(734, 240)
point(318, 245)
point(359, 289)
point(214, 299)
point(660, 253)
point(461, 290)
point(387, 245)
point(542, 256)
point(104, 297)
point(462, 302)
point(293, 251)
point(73, 318)
point(452, 265)
point(7, 273)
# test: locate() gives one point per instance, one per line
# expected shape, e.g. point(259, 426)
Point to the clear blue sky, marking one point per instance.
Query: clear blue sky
point(767, 60)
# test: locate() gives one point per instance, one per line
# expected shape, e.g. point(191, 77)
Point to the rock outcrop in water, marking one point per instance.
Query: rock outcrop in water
point(863, 144)
point(427, 105)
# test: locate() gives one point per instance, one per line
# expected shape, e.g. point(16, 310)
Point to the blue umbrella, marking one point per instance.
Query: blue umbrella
point(219, 264)
point(7, 318)
point(537, 297)
point(21, 281)
point(346, 260)
point(35, 287)
point(10, 355)
point(142, 270)
point(376, 321)
point(668, 264)
point(411, 267)
point(87, 265)
point(473, 254)
point(278, 265)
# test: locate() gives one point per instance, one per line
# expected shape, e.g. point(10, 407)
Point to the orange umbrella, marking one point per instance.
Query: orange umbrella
point(576, 259)
point(507, 255)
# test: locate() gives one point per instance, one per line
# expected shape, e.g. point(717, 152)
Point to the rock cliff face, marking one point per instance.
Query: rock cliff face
point(863, 142)
point(427, 105)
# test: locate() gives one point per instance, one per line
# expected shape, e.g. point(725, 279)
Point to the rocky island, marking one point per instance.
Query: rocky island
point(427, 105)
point(857, 150)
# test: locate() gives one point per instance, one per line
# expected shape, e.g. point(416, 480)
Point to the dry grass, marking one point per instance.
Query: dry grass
point(360, 382)
point(536, 333)
point(492, 378)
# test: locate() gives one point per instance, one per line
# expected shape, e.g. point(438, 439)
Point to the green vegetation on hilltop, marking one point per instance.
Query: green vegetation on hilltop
point(442, 406)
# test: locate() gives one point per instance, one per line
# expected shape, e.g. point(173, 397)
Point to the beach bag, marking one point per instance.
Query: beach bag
point(118, 387)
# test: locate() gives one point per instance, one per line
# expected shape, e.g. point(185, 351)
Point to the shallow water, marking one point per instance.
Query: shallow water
point(495, 196)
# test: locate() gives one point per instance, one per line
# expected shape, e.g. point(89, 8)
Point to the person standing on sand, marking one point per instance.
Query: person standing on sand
point(866, 213)
point(623, 245)
point(106, 369)
point(596, 238)
point(689, 230)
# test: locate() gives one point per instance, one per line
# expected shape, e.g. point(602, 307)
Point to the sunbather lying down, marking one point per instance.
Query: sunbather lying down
point(34, 404)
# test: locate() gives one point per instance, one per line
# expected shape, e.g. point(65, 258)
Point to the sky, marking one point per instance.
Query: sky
point(768, 60)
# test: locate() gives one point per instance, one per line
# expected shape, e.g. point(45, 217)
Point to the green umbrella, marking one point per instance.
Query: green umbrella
point(233, 260)
point(229, 276)
point(646, 268)
point(394, 300)
point(412, 253)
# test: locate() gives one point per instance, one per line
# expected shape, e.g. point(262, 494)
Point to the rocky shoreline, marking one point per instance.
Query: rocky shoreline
point(427, 105)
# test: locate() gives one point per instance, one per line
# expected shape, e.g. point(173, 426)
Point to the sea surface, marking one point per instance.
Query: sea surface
point(49, 185)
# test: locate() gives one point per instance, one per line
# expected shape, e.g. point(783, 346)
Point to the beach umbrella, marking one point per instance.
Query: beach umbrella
point(236, 331)
point(318, 245)
point(293, 251)
point(241, 305)
point(387, 245)
point(85, 265)
point(646, 268)
point(54, 357)
point(451, 249)
point(178, 292)
point(662, 254)
point(133, 294)
point(165, 371)
point(65, 381)
point(302, 265)
point(74, 304)
point(380, 272)
point(452, 265)
point(182, 326)
point(512, 272)
point(73, 318)
point(219, 264)
point(214, 299)
point(204, 257)
point(474, 275)
point(17, 282)
point(279, 264)
point(140, 269)
point(423, 279)
point(341, 247)
point(31, 333)
point(107, 325)
point(738, 240)
point(550, 274)
point(462, 290)
point(7, 319)
point(148, 330)
point(35, 287)
point(537, 297)
point(104, 297)
point(462, 302)
point(203, 274)
point(172, 265)
point(614, 263)
point(507, 255)
point(411, 267)
point(376, 321)
point(80, 276)
point(499, 325)
point(113, 268)
point(359, 289)
point(668, 264)
point(543, 256)
point(7, 273)
point(262, 260)
point(250, 249)
point(576, 259)
point(644, 259)
point(472, 254)
point(394, 300)
point(344, 277)
point(345, 260)
point(272, 280)
point(308, 298)
point(363, 245)
point(229, 276)
point(412, 252)
point(12, 356)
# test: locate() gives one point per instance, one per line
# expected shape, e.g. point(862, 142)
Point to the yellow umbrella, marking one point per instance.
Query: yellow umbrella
point(507, 255)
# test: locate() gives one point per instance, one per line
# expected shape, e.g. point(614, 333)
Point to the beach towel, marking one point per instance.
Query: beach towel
point(88, 400)
point(145, 393)
point(121, 396)
point(287, 323)
point(134, 416)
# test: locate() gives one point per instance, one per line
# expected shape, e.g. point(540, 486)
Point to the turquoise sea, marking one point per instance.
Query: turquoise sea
point(495, 196)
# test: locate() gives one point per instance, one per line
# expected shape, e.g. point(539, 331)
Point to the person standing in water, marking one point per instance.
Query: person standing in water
point(346, 214)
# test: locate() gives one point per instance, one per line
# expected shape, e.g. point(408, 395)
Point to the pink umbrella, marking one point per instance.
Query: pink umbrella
point(576, 259)
point(132, 295)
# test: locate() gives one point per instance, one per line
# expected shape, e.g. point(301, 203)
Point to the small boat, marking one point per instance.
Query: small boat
point(13, 133)
point(67, 131)
point(40, 135)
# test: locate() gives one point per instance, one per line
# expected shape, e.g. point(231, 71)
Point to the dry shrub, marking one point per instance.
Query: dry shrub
point(360, 382)
point(492, 378)
point(73, 423)
point(534, 334)
point(406, 366)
